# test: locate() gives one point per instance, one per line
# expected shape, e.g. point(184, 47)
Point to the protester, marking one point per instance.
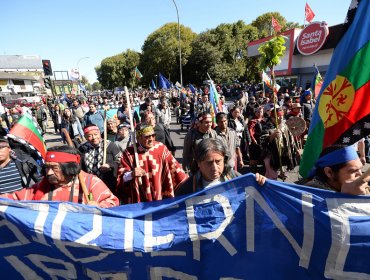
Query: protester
point(93, 156)
point(202, 131)
point(339, 169)
point(163, 113)
point(17, 169)
point(255, 127)
point(279, 146)
point(56, 116)
point(230, 140)
point(157, 175)
point(61, 182)
point(71, 126)
point(41, 118)
point(210, 168)
point(162, 134)
point(93, 116)
point(111, 129)
point(123, 139)
point(77, 110)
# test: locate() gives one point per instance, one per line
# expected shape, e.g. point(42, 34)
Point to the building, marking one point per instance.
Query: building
point(296, 68)
point(20, 75)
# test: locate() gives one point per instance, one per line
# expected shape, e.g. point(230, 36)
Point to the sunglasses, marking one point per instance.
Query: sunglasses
point(148, 136)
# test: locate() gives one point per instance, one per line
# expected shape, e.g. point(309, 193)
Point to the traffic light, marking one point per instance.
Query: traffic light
point(47, 67)
point(47, 83)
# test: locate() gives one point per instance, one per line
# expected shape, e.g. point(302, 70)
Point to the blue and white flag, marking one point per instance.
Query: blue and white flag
point(236, 230)
point(163, 82)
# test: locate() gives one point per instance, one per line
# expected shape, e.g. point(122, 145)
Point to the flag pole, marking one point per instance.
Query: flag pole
point(133, 138)
point(105, 136)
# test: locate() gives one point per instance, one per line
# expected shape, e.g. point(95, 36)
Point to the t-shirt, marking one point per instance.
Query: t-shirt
point(10, 179)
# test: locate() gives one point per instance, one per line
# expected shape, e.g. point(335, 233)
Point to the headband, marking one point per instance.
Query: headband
point(336, 157)
point(90, 128)
point(202, 117)
point(147, 129)
point(61, 157)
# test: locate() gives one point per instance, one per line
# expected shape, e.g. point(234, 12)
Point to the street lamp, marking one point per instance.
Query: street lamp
point(178, 27)
point(78, 69)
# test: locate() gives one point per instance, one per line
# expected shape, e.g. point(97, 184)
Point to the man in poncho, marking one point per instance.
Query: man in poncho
point(159, 172)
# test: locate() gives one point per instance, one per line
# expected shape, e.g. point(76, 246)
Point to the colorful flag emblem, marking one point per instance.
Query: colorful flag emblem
point(342, 112)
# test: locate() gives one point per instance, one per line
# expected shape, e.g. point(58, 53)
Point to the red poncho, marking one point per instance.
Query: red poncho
point(163, 175)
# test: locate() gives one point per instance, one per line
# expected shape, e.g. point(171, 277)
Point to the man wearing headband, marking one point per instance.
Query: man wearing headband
point(194, 136)
point(159, 172)
point(61, 181)
point(278, 143)
point(93, 152)
point(339, 169)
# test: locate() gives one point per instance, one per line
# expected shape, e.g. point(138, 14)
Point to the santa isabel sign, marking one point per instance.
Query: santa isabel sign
point(312, 38)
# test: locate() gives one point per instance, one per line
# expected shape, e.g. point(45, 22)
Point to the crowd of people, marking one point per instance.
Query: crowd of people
point(130, 157)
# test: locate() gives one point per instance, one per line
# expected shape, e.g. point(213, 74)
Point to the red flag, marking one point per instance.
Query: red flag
point(309, 14)
point(275, 24)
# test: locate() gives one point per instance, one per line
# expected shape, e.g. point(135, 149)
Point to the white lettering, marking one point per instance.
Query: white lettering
point(158, 273)
point(149, 240)
point(340, 209)
point(21, 239)
point(212, 235)
point(305, 252)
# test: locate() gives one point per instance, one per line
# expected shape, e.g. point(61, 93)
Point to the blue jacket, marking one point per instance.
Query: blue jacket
point(94, 118)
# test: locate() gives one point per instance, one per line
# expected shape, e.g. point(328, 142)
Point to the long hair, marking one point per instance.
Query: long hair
point(210, 145)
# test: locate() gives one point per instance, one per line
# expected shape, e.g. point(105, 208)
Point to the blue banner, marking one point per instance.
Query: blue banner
point(237, 230)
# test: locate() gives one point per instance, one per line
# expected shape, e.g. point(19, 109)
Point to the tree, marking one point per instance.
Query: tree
point(160, 52)
point(264, 26)
point(222, 52)
point(115, 71)
point(96, 86)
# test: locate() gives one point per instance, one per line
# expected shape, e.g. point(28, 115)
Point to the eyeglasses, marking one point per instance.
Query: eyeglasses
point(148, 136)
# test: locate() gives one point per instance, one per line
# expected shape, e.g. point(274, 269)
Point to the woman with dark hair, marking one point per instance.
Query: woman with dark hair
point(71, 125)
point(61, 181)
point(210, 167)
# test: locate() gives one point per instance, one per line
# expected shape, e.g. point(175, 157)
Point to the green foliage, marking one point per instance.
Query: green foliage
point(115, 71)
point(96, 86)
point(271, 52)
point(263, 24)
point(160, 52)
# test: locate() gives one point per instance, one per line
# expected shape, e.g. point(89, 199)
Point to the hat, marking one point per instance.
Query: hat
point(4, 139)
point(296, 105)
point(122, 125)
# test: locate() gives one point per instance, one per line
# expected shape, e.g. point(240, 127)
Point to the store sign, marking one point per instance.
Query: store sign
point(312, 38)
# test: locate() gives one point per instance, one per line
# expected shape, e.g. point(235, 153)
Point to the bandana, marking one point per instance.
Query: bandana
point(61, 157)
point(90, 128)
point(145, 130)
point(202, 117)
point(336, 157)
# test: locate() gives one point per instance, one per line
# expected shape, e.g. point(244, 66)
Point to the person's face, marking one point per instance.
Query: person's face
point(212, 166)
point(308, 97)
point(350, 172)
point(4, 152)
point(259, 113)
point(205, 125)
point(93, 137)
point(236, 113)
point(205, 98)
point(67, 112)
point(75, 103)
point(112, 126)
point(222, 100)
point(147, 141)
point(123, 132)
point(222, 123)
point(54, 173)
point(92, 108)
point(150, 120)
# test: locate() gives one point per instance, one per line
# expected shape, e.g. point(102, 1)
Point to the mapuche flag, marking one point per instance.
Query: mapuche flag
point(342, 112)
point(25, 131)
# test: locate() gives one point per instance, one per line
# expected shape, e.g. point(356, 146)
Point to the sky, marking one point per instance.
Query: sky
point(81, 33)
